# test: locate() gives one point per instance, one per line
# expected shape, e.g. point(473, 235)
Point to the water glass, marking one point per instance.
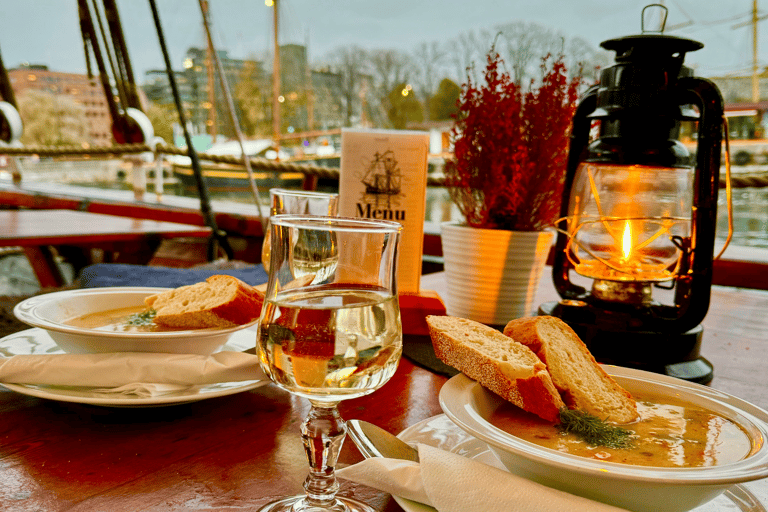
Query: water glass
point(330, 330)
point(299, 202)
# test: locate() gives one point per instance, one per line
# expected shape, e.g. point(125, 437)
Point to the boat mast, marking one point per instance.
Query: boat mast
point(755, 66)
point(276, 80)
point(309, 88)
point(211, 86)
point(231, 109)
point(755, 76)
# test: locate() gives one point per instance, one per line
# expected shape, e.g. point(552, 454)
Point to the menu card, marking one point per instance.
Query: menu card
point(383, 176)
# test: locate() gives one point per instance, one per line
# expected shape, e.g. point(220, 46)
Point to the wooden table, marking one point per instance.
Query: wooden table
point(37, 230)
point(238, 452)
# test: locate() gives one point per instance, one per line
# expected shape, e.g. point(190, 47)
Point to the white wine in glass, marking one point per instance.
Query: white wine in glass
point(332, 341)
point(329, 331)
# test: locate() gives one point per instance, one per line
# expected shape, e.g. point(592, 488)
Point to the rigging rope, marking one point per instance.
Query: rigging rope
point(121, 53)
point(127, 149)
point(119, 81)
point(91, 43)
point(739, 180)
point(202, 188)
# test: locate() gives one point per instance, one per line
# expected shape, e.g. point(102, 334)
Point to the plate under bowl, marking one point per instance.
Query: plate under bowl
point(637, 488)
point(51, 311)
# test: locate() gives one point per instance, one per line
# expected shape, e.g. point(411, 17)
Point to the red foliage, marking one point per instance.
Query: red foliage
point(511, 147)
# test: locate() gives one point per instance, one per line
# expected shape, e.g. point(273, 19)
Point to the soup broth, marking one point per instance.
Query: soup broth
point(669, 433)
point(116, 320)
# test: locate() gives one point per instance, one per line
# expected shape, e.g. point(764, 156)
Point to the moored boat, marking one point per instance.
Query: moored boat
point(229, 177)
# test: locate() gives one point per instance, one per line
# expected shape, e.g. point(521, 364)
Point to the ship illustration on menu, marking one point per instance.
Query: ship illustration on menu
point(383, 175)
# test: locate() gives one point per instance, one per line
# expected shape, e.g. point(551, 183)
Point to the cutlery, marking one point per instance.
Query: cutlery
point(373, 441)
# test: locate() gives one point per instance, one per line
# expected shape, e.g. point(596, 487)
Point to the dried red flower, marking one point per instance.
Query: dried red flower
point(511, 147)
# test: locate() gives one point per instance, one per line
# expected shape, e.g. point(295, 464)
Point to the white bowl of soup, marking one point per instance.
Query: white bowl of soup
point(99, 320)
point(702, 442)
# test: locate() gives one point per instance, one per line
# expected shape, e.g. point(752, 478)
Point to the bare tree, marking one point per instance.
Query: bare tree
point(369, 76)
point(389, 68)
point(250, 100)
point(52, 119)
point(584, 58)
point(428, 58)
point(351, 63)
point(464, 51)
point(525, 44)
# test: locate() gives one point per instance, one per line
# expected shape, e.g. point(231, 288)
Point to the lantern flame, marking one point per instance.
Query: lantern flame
point(626, 242)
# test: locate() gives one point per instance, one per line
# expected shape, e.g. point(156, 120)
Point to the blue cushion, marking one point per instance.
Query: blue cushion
point(102, 275)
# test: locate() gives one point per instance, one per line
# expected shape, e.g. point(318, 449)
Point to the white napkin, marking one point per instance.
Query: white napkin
point(141, 390)
point(452, 483)
point(130, 373)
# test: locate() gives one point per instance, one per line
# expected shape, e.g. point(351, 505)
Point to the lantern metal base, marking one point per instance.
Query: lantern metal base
point(673, 354)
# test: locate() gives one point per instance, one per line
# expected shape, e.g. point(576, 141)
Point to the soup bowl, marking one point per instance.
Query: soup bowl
point(636, 488)
point(53, 311)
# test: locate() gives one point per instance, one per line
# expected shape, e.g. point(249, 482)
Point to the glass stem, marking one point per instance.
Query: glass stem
point(323, 433)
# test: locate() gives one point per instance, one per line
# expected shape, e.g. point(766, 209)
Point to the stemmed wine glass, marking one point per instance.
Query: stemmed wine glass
point(302, 202)
point(329, 331)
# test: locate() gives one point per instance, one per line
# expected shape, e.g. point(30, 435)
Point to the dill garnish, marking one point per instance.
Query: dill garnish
point(593, 430)
point(143, 318)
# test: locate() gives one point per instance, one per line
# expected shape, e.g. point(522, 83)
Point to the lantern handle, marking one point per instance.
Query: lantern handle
point(579, 141)
point(663, 18)
point(728, 188)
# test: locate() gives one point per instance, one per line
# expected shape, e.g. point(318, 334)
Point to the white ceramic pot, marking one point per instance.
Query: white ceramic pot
point(492, 274)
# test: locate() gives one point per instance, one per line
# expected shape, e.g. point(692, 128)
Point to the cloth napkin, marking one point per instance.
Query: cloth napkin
point(130, 373)
point(452, 483)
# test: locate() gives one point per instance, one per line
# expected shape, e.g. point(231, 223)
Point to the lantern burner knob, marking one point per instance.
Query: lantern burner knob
point(637, 293)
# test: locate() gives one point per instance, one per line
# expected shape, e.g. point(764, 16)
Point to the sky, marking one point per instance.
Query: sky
point(47, 31)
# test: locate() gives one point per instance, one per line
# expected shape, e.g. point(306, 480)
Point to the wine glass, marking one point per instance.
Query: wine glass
point(299, 202)
point(329, 331)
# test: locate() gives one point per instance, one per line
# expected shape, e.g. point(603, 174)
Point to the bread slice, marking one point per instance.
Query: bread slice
point(220, 301)
point(497, 362)
point(582, 382)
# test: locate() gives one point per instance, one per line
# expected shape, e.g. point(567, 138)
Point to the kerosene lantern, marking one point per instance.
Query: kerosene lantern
point(639, 211)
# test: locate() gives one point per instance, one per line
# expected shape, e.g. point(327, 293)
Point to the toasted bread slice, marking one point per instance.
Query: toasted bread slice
point(220, 301)
point(582, 382)
point(497, 362)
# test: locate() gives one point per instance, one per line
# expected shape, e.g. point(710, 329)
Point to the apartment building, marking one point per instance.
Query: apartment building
point(83, 90)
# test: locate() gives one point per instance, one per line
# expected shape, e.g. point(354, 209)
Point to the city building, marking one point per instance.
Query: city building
point(738, 89)
point(86, 91)
point(200, 90)
point(746, 118)
point(303, 108)
point(311, 99)
point(326, 100)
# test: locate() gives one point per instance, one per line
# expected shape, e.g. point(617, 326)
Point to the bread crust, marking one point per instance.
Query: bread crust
point(582, 382)
point(522, 380)
point(220, 301)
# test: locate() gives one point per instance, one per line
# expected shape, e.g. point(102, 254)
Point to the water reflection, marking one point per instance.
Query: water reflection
point(750, 209)
point(750, 217)
point(439, 207)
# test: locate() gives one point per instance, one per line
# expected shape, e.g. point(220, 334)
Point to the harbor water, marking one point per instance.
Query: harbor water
point(750, 211)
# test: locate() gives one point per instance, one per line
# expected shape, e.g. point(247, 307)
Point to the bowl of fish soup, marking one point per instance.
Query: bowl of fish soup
point(640, 488)
point(95, 320)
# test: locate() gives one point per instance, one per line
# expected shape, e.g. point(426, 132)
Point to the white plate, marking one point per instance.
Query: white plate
point(441, 432)
point(37, 341)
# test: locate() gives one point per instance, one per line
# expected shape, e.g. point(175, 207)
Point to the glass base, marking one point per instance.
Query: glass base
point(294, 504)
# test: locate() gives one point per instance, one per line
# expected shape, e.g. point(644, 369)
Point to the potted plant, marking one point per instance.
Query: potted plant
point(506, 177)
